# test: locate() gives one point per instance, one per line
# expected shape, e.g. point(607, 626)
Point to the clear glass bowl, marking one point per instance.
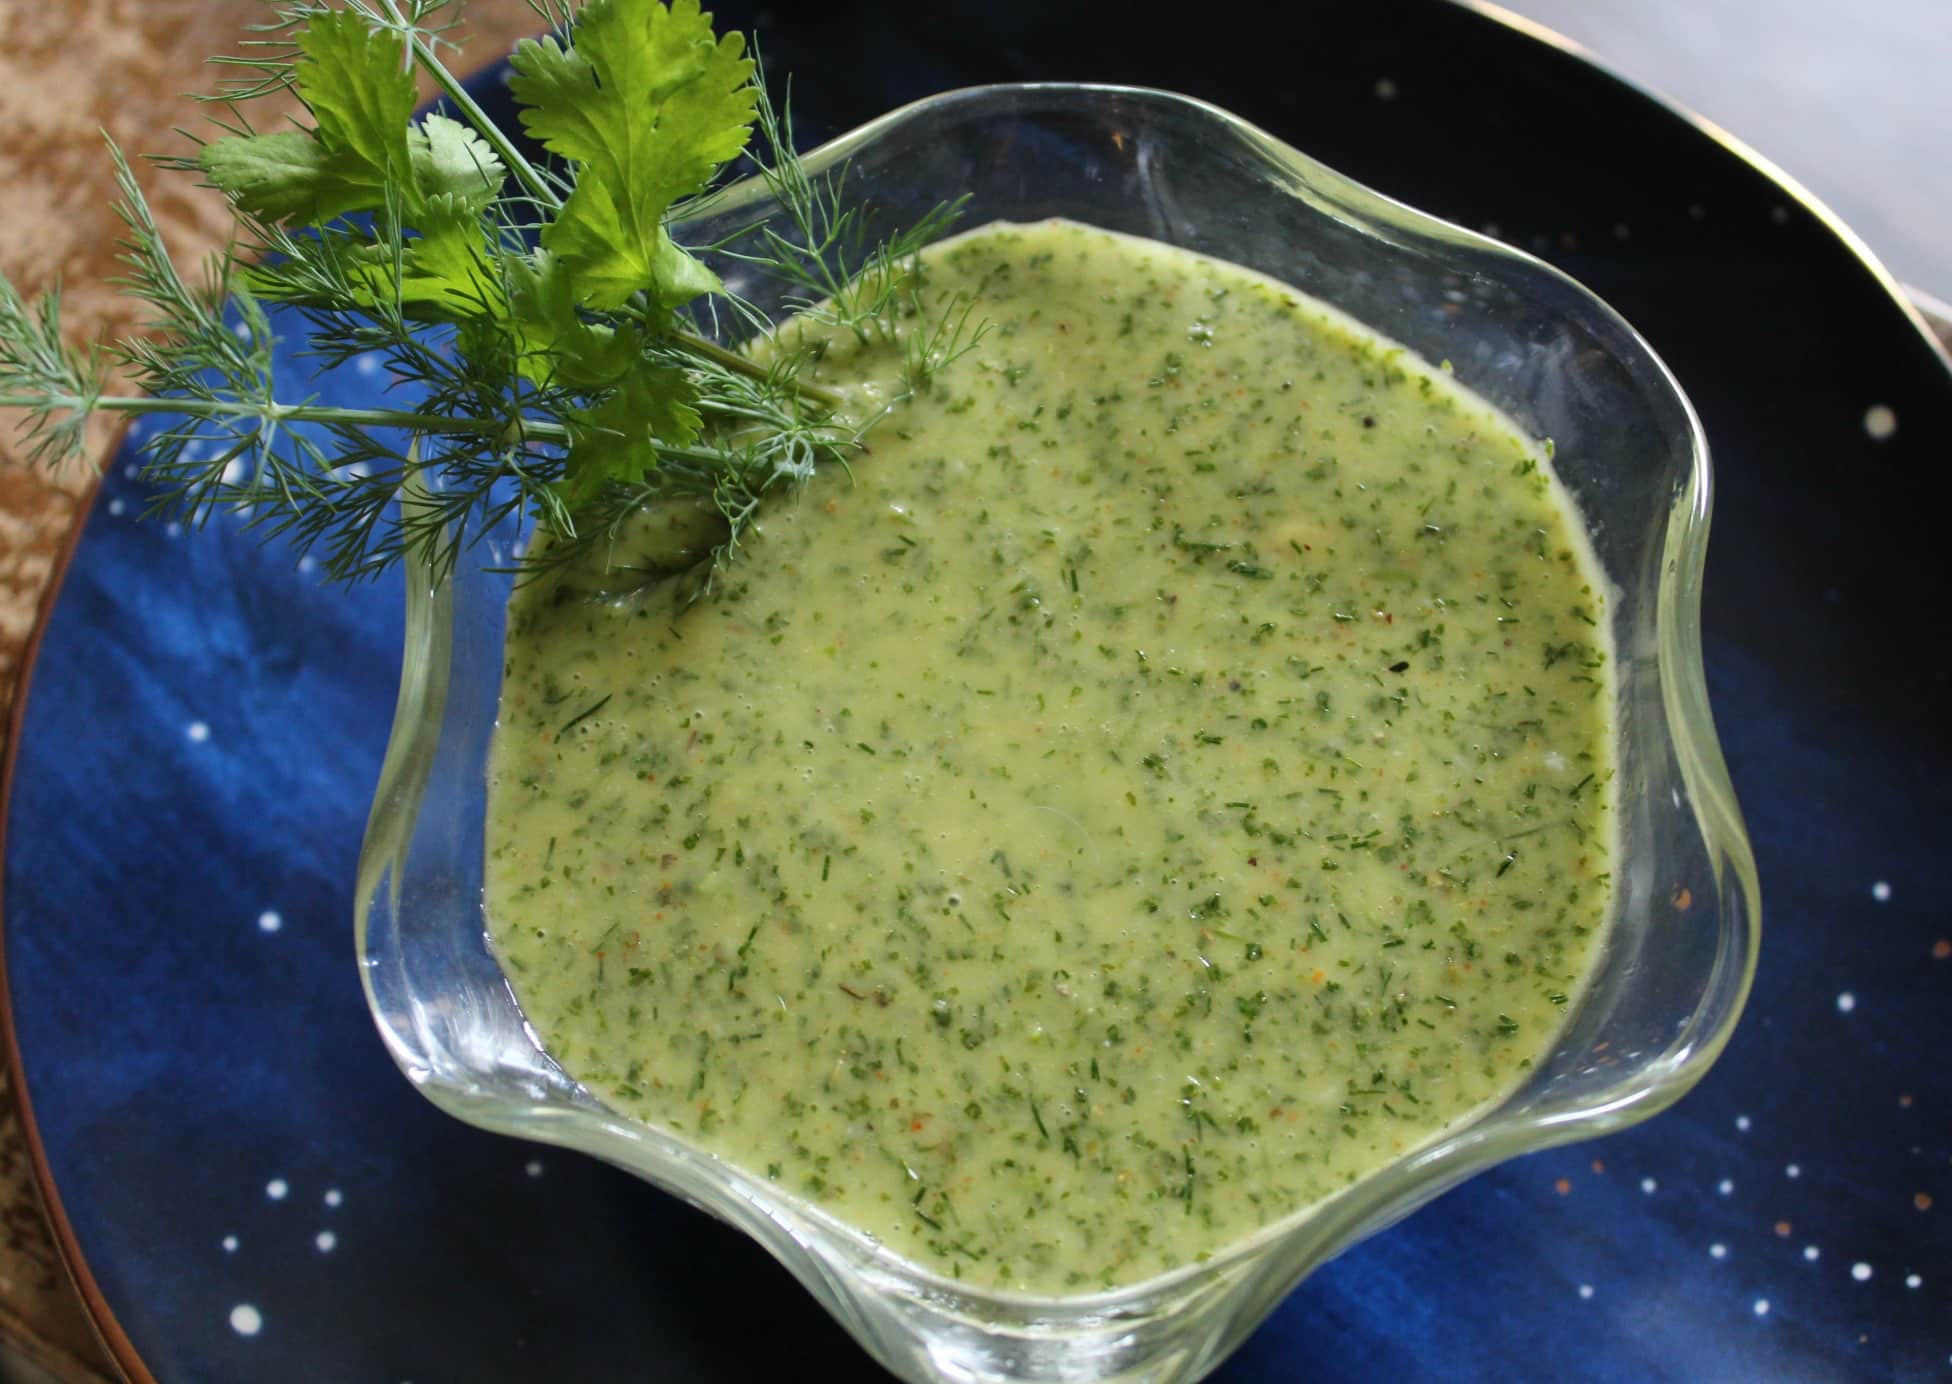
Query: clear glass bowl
point(1676, 965)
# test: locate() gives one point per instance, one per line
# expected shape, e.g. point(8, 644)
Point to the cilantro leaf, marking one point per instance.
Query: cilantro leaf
point(612, 441)
point(555, 345)
point(646, 102)
point(287, 177)
point(449, 159)
point(449, 266)
point(444, 270)
point(354, 80)
point(639, 402)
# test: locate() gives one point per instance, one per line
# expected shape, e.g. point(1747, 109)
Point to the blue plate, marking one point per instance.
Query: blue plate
point(249, 1190)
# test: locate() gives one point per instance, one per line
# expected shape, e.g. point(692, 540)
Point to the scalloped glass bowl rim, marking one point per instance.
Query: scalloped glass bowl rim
point(1394, 1190)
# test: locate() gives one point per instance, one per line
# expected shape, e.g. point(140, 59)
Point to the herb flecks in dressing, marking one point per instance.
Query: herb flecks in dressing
point(1170, 783)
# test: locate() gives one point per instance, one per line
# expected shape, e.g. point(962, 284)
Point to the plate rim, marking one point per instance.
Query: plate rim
point(100, 1315)
point(1932, 327)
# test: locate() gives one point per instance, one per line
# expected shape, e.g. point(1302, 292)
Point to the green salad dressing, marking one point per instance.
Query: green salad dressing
point(1169, 782)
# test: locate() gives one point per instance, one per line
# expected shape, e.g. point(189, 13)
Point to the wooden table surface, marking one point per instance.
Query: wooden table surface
point(56, 223)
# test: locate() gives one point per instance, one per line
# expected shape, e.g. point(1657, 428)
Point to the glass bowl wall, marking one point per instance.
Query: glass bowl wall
point(1676, 964)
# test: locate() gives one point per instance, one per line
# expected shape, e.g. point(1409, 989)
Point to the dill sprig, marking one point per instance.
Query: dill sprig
point(554, 353)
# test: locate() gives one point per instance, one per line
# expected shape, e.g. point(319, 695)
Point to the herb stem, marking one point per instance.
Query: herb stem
point(531, 428)
point(283, 413)
point(751, 369)
point(525, 172)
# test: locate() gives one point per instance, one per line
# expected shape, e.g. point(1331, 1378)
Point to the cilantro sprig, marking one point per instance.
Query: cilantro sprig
point(545, 333)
